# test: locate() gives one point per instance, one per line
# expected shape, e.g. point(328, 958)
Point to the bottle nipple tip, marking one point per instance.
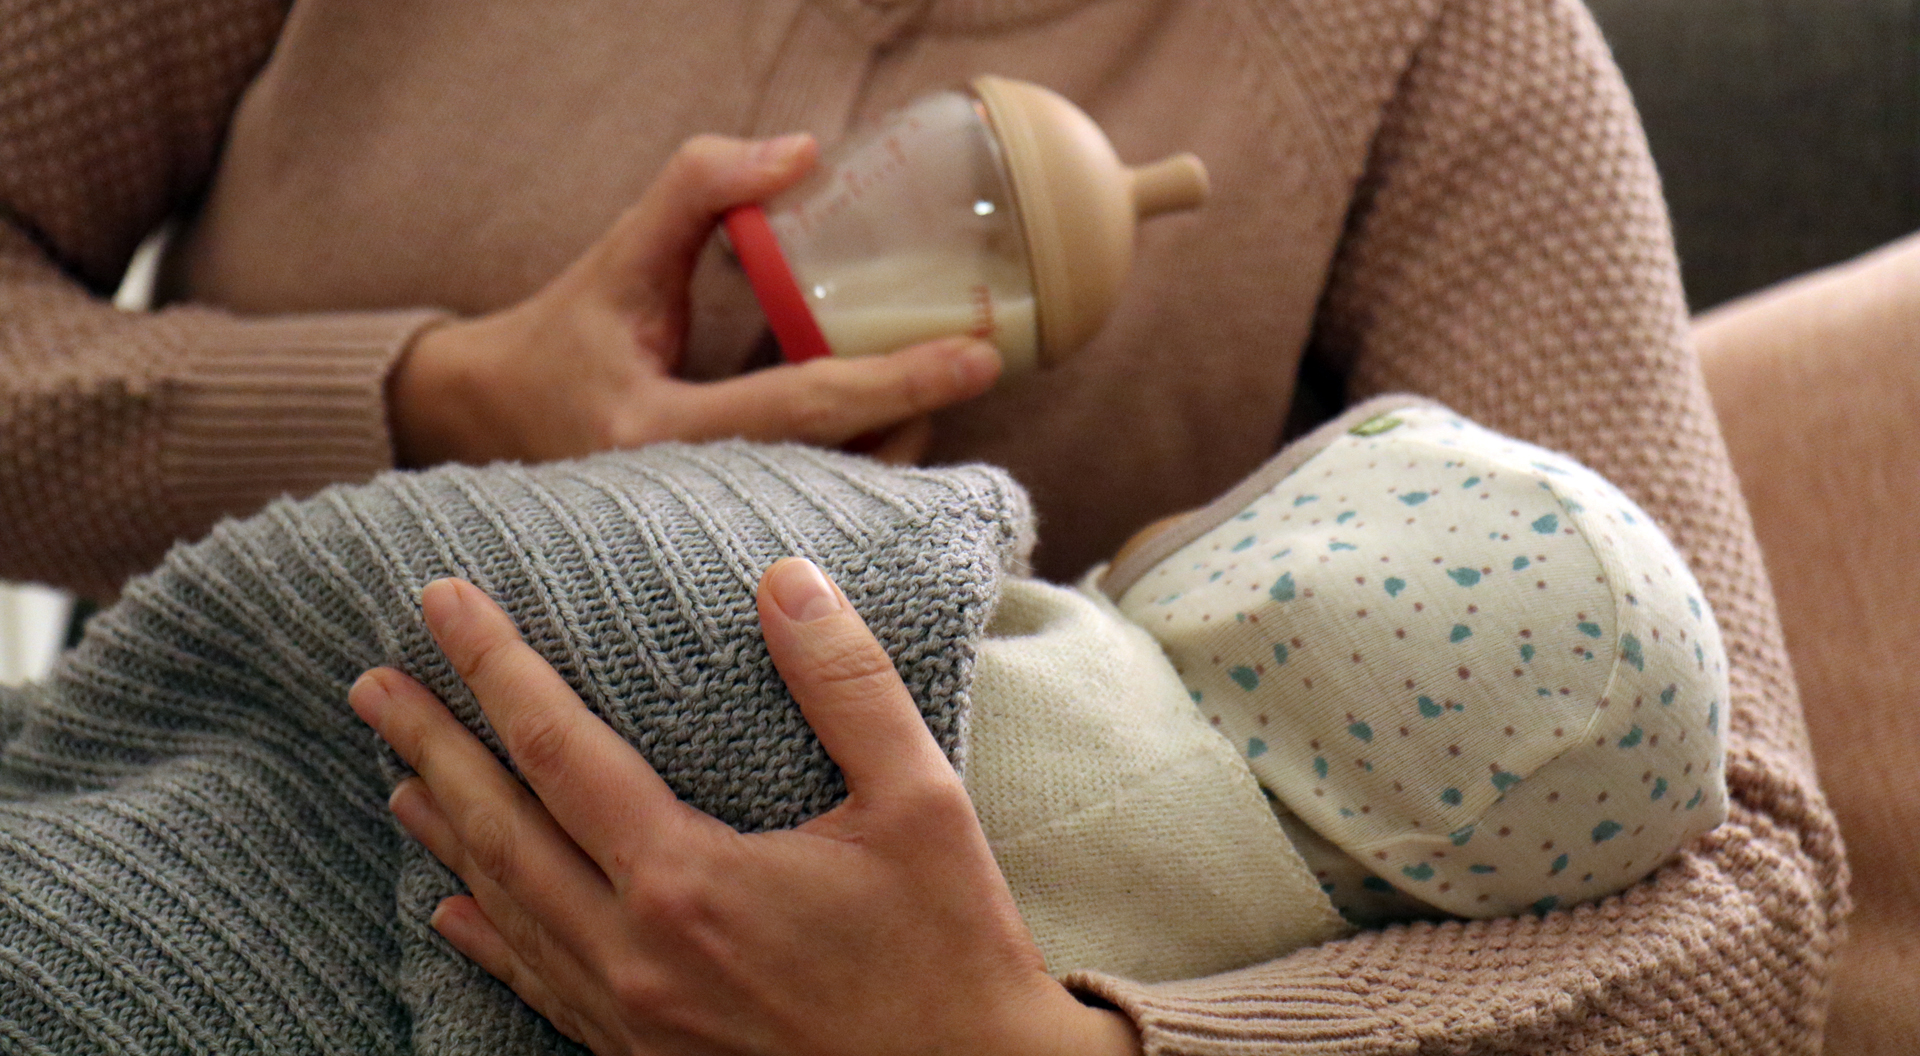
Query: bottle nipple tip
point(1172, 184)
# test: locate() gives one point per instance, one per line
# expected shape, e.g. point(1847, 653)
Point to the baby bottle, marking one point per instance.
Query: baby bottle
point(1001, 212)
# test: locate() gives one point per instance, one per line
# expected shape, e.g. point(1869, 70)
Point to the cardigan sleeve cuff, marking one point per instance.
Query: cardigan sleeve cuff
point(283, 406)
point(1245, 1011)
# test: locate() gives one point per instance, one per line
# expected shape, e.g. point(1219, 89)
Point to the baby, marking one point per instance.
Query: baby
point(1408, 668)
point(1467, 675)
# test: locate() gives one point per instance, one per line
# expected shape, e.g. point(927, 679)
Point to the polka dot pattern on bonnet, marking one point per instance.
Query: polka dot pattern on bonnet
point(1470, 664)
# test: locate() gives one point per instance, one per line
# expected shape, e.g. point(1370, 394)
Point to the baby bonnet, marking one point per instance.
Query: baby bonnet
point(1471, 664)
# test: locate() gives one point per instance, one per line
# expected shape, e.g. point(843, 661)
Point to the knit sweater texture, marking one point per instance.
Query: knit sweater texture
point(194, 849)
point(1445, 197)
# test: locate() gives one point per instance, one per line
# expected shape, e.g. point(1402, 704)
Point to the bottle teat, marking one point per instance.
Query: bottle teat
point(1170, 185)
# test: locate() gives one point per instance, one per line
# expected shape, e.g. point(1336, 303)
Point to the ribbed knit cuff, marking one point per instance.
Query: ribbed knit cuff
point(284, 405)
point(1244, 1011)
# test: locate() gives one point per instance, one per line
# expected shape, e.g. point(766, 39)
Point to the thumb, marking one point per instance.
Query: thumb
point(845, 685)
point(649, 253)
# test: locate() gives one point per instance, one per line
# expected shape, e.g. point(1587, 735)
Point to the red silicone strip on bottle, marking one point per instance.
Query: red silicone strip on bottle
point(774, 285)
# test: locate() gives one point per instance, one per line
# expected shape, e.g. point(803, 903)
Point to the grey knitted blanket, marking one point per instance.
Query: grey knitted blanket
point(195, 852)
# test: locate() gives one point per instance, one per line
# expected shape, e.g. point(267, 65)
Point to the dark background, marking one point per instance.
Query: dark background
point(1787, 132)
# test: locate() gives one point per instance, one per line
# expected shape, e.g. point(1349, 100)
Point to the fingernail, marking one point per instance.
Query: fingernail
point(976, 364)
point(368, 698)
point(399, 800)
point(441, 603)
point(410, 804)
point(801, 590)
point(780, 148)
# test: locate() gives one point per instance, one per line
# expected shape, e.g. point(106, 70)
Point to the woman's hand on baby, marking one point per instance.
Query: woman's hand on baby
point(637, 924)
point(588, 363)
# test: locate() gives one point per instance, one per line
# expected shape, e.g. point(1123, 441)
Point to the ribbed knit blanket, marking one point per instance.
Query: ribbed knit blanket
point(195, 851)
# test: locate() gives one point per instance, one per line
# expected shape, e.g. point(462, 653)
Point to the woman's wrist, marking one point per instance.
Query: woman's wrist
point(435, 393)
point(1106, 1032)
point(415, 395)
point(1061, 1025)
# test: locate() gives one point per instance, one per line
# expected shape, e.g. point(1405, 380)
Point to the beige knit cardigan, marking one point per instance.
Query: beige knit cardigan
point(1450, 197)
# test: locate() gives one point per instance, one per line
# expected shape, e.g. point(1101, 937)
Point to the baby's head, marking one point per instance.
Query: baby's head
point(1472, 664)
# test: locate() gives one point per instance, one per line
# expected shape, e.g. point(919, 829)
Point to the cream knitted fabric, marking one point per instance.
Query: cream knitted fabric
point(1469, 663)
point(1134, 839)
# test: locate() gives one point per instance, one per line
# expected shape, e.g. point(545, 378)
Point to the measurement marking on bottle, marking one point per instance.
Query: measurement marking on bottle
point(877, 163)
point(982, 312)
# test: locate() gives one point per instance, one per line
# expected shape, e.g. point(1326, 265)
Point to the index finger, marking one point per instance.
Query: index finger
point(654, 244)
point(600, 790)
